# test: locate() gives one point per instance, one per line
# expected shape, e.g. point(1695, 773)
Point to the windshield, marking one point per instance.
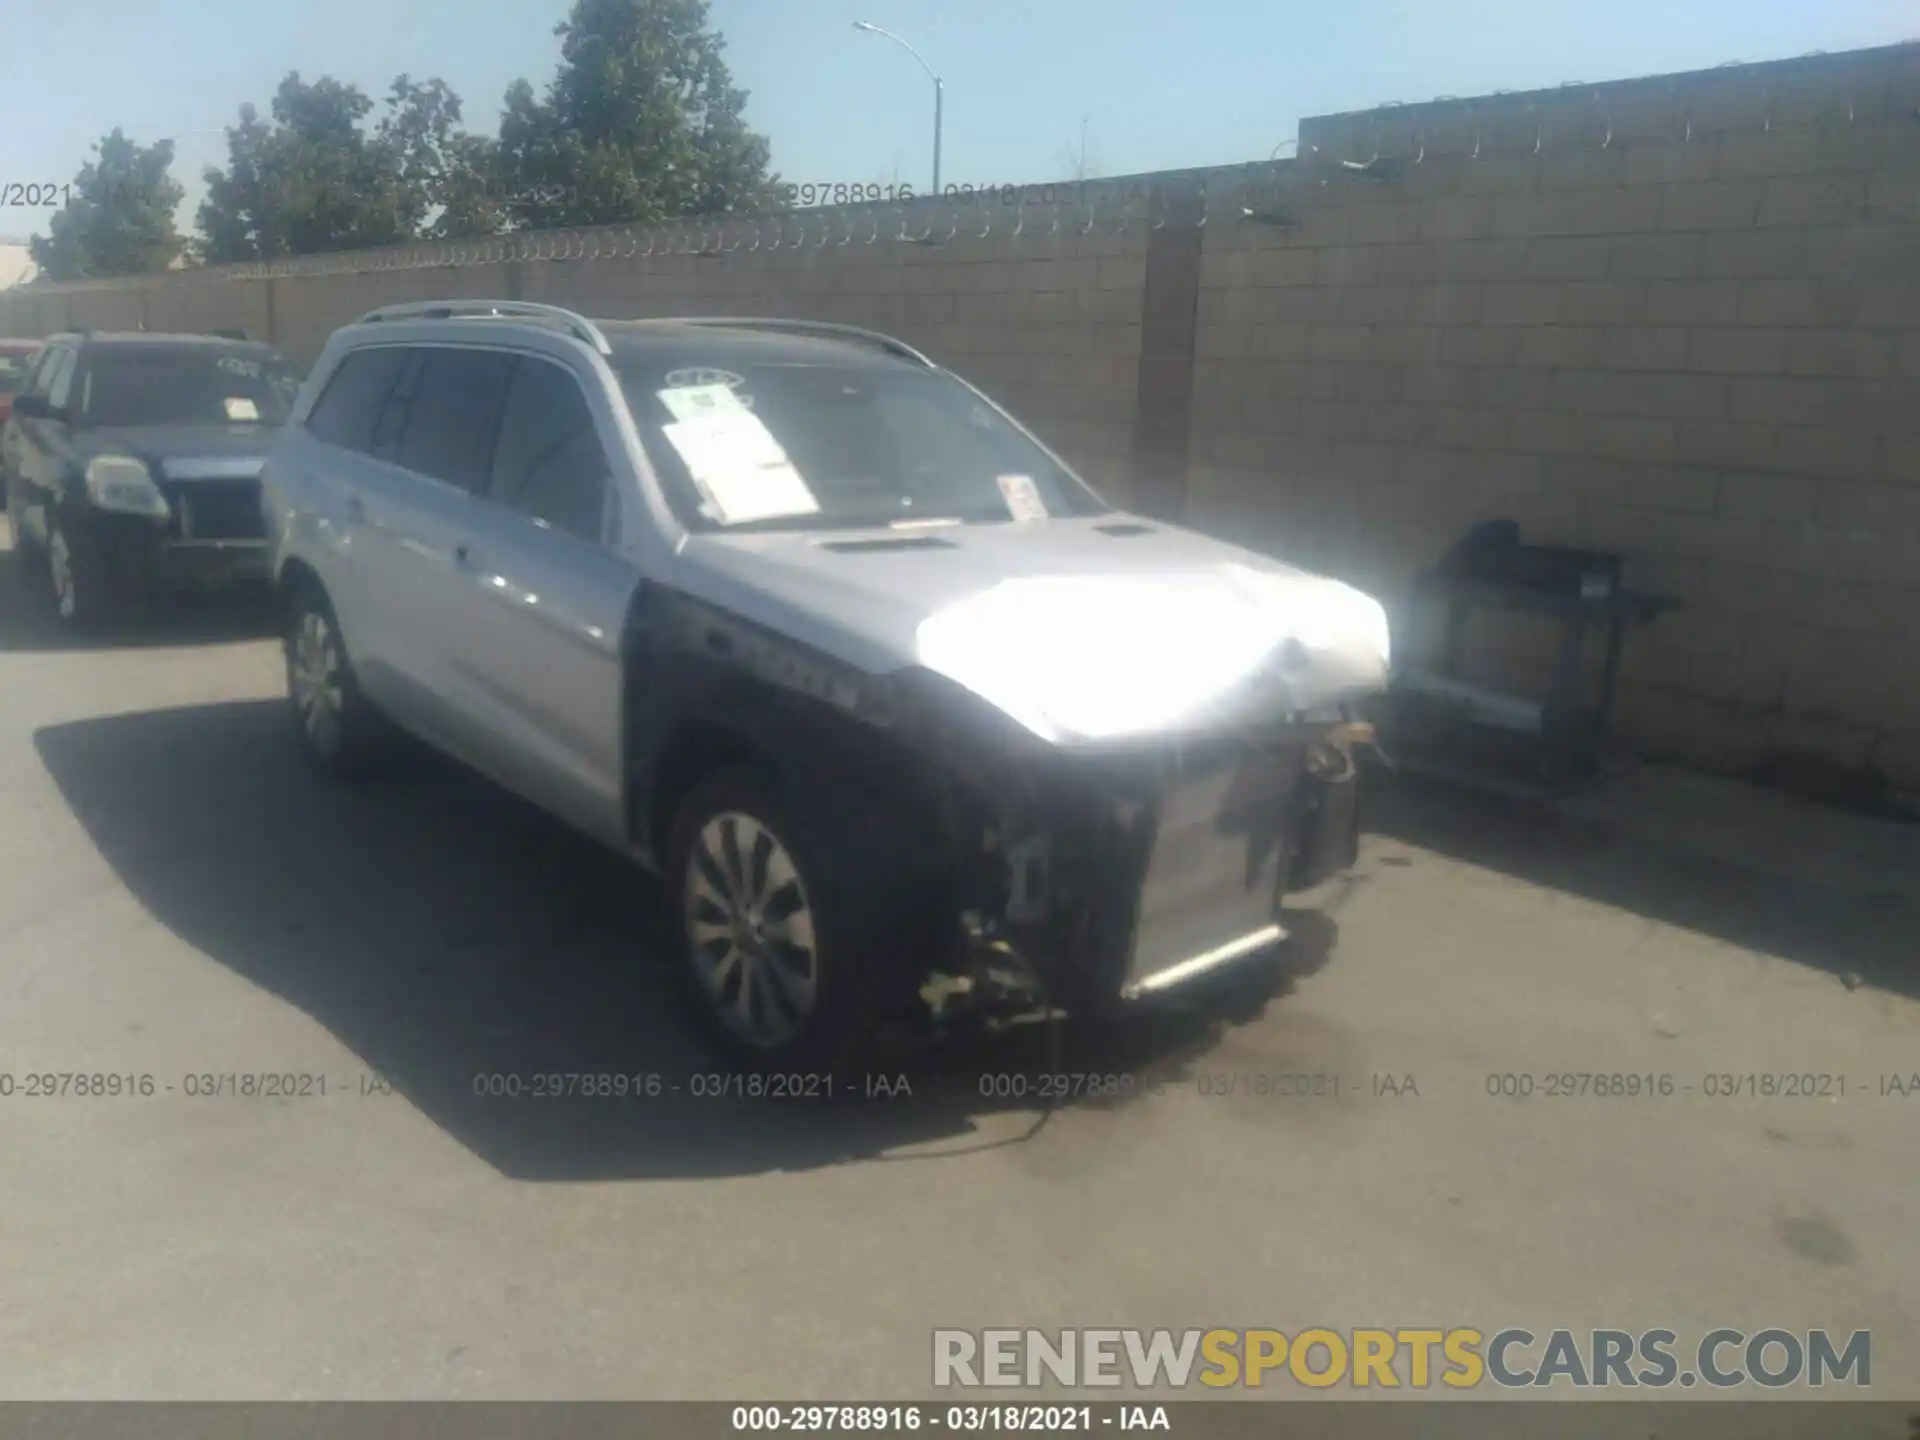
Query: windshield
point(804, 446)
point(185, 387)
point(13, 370)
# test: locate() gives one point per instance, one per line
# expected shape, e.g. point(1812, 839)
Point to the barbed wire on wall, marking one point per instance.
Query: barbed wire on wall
point(1267, 193)
point(1395, 144)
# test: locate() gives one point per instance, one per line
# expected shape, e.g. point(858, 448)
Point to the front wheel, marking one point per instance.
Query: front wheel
point(338, 728)
point(784, 939)
point(80, 586)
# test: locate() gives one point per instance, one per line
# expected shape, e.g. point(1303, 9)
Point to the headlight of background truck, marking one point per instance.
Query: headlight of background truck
point(122, 484)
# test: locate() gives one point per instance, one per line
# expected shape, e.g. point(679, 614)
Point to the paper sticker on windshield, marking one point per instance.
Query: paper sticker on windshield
point(1022, 497)
point(234, 365)
point(701, 377)
point(739, 467)
point(694, 402)
point(240, 408)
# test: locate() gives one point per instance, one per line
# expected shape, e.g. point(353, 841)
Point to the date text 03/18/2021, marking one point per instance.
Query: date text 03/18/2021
point(962, 1419)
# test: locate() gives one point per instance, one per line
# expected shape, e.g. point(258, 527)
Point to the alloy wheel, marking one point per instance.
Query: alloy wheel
point(66, 597)
point(750, 930)
point(315, 668)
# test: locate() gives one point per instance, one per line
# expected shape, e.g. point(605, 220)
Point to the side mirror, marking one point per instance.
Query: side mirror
point(30, 407)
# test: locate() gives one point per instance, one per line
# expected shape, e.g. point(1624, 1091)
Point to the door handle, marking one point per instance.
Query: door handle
point(356, 509)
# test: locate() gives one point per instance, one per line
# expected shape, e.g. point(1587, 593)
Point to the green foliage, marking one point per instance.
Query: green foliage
point(313, 179)
point(450, 174)
point(119, 217)
point(641, 122)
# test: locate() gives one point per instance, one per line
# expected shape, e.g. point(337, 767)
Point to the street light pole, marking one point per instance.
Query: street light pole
point(939, 90)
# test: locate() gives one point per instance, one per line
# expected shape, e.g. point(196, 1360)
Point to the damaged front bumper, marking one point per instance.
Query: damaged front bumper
point(1158, 868)
point(1101, 878)
point(1221, 862)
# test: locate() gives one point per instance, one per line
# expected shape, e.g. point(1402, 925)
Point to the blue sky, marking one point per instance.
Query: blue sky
point(1154, 83)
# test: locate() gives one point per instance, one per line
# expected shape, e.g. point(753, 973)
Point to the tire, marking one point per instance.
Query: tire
point(27, 559)
point(340, 732)
point(815, 962)
point(82, 593)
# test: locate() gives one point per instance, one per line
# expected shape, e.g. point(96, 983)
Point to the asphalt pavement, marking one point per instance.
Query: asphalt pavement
point(183, 905)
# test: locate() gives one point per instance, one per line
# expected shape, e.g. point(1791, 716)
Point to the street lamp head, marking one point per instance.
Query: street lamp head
point(939, 87)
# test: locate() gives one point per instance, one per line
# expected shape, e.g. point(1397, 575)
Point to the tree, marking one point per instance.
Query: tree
point(315, 180)
point(118, 219)
point(451, 174)
point(642, 121)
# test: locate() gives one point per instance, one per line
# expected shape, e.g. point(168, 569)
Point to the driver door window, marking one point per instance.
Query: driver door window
point(548, 464)
point(59, 379)
point(39, 372)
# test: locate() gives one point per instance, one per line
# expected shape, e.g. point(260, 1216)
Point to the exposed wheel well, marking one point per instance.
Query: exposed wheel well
point(696, 750)
point(297, 576)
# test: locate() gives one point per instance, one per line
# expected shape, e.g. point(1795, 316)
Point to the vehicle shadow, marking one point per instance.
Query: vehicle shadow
point(1863, 940)
point(215, 617)
point(446, 932)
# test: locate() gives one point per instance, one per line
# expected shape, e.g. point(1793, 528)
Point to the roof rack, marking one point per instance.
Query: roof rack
point(814, 327)
point(576, 325)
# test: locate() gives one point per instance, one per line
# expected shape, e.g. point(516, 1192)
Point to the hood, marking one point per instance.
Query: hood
point(1083, 630)
point(189, 452)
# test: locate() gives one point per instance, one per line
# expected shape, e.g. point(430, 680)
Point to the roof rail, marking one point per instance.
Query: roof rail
point(575, 324)
point(814, 327)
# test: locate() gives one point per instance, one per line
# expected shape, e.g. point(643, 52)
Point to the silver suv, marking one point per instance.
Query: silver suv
point(911, 723)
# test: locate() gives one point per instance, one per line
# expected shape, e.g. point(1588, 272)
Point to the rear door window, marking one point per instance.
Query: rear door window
point(451, 407)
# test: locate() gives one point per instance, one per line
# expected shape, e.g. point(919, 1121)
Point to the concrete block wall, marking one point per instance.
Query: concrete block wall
point(1676, 317)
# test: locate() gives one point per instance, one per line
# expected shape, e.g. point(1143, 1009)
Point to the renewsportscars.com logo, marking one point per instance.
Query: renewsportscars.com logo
point(1417, 1359)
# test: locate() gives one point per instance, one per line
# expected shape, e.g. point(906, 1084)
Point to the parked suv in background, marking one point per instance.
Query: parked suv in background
point(909, 720)
point(16, 358)
point(132, 463)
